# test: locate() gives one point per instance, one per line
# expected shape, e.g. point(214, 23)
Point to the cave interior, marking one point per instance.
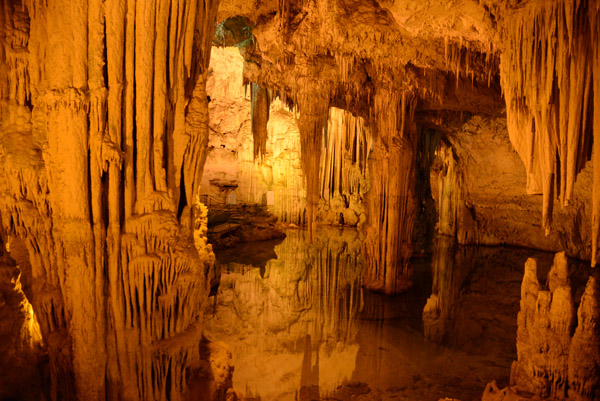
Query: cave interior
point(227, 200)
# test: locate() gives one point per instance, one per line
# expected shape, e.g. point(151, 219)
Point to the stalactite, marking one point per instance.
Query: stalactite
point(546, 72)
point(313, 103)
point(594, 16)
point(260, 117)
point(476, 61)
point(343, 165)
point(391, 203)
point(117, 121)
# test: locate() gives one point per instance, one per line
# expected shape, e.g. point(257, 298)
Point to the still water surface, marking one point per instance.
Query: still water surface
point(300, 326)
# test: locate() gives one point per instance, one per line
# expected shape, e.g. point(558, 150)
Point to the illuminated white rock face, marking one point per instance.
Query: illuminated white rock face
point(232, 167)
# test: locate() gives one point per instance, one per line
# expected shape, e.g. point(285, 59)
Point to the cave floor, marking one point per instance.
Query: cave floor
point(300, 326)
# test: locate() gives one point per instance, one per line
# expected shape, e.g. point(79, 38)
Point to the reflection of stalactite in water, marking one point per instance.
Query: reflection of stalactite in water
point(332, 288)
point(440, 307)
point(310, 289)
point(309, 377)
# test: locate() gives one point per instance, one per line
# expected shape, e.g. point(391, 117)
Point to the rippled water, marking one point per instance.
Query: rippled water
point(301, 327)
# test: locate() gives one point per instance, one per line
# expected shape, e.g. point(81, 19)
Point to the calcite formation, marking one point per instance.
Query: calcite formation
point(358, 56)
point(551, 84)
point(104, 134)
point(391, 200)
point(555, 359)
point(479, 185)
point(102, 142)
point(233, 170)
point(20, 337)
point(322, 53)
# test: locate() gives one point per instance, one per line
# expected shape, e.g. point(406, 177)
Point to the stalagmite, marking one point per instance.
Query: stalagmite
point(545, 327)
point(555, 359)
point(584, 354)
point(104, 138)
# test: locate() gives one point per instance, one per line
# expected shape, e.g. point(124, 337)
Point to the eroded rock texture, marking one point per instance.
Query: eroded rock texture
point(102, 140)
point(20, 338)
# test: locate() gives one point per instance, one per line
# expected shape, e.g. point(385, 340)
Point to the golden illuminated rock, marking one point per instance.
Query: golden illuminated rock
point(555, 360)
point(320, 112)
point(103, 138)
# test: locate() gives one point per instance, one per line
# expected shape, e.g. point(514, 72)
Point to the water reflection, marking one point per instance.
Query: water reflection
point(301, 327)
point(295, 324)
point(475, 295)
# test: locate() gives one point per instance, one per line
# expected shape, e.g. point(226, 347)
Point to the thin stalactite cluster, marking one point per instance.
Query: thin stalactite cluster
point(550, 72)
point(104, 134)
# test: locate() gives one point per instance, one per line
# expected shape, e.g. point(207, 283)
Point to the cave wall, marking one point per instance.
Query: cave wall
point(551, 84)
point(461, 57)
point(104, 134)
point(480, 187)
point(235, 168)
point(21, 351)
point(102, 141)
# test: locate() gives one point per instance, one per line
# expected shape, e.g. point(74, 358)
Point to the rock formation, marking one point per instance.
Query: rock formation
point(314, 55)
point(555, 360)
point(102, 141)
point(20, 337)
point(104, 134)
point(479, 185)
point(233, 168)
point(547, 83)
